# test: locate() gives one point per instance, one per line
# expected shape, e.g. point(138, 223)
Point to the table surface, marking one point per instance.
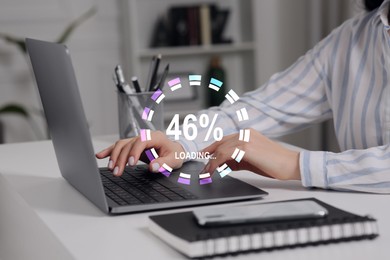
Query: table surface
point(42, 216)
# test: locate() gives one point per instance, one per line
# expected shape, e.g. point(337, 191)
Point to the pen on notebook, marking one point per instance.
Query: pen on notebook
point(160, 84)
point(136, 85)
point(154, 72)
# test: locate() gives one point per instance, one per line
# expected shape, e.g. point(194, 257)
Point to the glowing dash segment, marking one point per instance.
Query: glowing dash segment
point(184, 181)
point(204, 175)
point(166, 167)
point(150, 116)
point(184, 178)
point(215, 84)
point(235, 153)
point(205, 181)
point(195, 80)
point(185, 175)
point(242, 114)
point(158, 96)
point(244, 135)
point(147, 114)
point(232, 96)
point(205, 178)
point(238, 155)
point(223, 167)
point(149, 154)
point(155, 154)
point(145, 135)
point(165, 170)
point(174, 84)
point(224, 170)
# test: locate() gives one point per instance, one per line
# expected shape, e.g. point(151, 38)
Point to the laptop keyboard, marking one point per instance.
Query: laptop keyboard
point(138, 186)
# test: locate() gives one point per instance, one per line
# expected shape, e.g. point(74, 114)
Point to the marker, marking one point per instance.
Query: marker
point(122, 81)
point(149, 79)
point(122, 84)
point(136, 85)
point(119, 74)
point(160, 84)
point(154, 72)
point(115, 79)
point(124, 87)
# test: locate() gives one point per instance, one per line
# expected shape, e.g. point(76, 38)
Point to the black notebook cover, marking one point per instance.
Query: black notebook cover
point(184, 226)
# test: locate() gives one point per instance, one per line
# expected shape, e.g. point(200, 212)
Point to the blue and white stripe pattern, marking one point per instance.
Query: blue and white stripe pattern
point(344, 77)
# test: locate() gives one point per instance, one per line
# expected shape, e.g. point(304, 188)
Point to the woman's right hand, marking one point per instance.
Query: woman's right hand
point(131, 150)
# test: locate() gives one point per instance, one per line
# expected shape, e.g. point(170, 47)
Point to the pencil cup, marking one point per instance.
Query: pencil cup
point(139, 111)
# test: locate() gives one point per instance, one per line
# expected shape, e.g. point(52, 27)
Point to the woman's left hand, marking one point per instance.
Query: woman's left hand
point(262, 156)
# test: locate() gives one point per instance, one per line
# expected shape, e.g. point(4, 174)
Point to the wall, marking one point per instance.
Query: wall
point(95, 49)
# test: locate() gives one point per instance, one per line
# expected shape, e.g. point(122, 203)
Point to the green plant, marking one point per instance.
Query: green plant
point(19, 109)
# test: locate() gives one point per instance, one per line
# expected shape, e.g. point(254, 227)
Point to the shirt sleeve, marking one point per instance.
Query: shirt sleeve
point(366, 170)
point(292, 100)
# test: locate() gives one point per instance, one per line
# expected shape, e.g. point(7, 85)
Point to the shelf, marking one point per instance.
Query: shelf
point(197, 50)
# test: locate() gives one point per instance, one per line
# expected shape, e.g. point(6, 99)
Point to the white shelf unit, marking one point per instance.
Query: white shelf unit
point(238, 59)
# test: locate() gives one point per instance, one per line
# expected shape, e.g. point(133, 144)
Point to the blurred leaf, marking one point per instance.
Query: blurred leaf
point(73, 25)
point(14, 109)
point(20, 42)
point(17, 41)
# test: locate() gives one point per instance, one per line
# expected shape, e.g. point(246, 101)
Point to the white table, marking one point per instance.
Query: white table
point(43, 217)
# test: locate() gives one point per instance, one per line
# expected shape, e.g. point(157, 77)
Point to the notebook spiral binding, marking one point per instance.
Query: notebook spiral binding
point(282, 236)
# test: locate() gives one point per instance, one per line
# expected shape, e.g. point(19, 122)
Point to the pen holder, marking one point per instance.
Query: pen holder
point(134, 115)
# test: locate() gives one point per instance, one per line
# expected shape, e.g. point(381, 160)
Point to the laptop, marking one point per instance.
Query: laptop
point(137, 190)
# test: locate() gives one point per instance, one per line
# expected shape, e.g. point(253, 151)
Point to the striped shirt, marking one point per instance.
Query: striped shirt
point(344, 77)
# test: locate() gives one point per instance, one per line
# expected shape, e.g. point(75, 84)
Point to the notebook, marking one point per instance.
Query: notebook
point(181, 231)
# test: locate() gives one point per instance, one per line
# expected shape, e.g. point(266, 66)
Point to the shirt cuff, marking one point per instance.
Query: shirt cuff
point(313, 169)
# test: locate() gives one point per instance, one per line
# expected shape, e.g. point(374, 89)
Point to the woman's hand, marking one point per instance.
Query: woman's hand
point(130, 151)
point(262, 156)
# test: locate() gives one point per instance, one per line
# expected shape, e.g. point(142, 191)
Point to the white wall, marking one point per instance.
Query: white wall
point(95, 49)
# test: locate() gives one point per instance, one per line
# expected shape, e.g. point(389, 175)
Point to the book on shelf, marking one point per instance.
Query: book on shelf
point(205, 25)
point(191, 25)
point(182, 232)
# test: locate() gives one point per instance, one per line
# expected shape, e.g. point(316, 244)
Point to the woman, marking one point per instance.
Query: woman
point(344, 77)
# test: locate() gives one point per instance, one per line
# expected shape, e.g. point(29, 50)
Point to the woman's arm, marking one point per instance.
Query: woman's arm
point(365, 170)
point(290, 101)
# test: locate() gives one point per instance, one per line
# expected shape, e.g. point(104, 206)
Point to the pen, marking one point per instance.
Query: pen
point(122, 81)
point(115, 79)
point(160, 84)
point(135, 104)
point(119, 74)
point(148, 80)
point(135, 82)
point(133, 120)
point(154, 72)
point(124, 87)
